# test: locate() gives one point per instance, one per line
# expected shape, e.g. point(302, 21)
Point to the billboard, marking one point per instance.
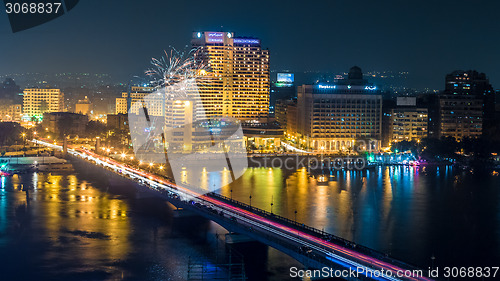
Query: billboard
point(285, 78)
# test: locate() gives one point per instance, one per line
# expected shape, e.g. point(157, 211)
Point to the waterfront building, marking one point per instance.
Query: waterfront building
point(467, 101)
point(460, 116)
point(238, 83)
point(334, 117)
point(408, 122)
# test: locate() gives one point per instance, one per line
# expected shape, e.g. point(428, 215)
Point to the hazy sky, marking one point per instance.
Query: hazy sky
point(427, 38)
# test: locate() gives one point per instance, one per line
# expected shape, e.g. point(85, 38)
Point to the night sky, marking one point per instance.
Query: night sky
point(427, 38)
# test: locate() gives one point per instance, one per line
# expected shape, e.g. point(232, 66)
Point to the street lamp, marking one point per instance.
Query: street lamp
point(24, 140)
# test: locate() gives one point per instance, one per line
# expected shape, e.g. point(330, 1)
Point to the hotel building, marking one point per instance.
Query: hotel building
point(37, 101)
point(238, 85)
point(334, 117)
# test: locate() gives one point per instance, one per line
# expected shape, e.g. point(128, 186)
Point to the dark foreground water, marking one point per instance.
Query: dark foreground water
point(70, 228)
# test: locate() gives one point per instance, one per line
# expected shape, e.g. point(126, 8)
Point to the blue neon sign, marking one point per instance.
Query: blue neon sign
point(246, 41)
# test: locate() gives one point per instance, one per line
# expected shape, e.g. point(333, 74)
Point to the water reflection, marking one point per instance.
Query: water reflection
point(412, 213)
point(60, 227)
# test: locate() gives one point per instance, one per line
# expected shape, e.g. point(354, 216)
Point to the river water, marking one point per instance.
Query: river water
point(68, 227)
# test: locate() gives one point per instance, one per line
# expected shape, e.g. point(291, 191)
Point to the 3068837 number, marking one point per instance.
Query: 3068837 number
point(476, 272)
point(32, 8)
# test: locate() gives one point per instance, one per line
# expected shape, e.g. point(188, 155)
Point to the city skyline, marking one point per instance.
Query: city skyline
point(377, 38)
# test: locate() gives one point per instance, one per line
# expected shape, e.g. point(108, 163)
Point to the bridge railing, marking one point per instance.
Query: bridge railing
point(315, 232)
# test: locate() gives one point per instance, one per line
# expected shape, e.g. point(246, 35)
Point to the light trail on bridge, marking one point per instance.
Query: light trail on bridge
point(331, 251)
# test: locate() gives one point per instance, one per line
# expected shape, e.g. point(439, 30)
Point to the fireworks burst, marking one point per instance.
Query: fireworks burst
point(176, 67)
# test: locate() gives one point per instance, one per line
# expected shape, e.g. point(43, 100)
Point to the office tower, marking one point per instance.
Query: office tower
point(333, 117)
point(408, 122)
point(238, 83)
point(37, 101)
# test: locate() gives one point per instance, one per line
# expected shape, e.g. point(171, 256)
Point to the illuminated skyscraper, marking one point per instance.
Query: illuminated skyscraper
point(239, 75)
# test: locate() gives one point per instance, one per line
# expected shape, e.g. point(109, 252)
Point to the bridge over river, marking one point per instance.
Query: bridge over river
point(314, 248)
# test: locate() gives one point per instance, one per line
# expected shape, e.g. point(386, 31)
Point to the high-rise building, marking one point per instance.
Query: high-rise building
point(460, 116)
point(408, 122)
point(467, 101)
point(283, 88)
point(473, 83)
point(238, 85)
point(37, 101)
point(281, 111)
point(333, 117)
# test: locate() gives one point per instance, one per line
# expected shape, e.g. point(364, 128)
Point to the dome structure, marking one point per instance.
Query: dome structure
point(355, 73)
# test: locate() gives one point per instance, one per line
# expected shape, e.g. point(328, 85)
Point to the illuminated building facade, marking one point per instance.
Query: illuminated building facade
point(408, 122)
point(83, 107)
point(239, 83)
point(11, 113)
point(37, 101)
point(335, 117)
point(467, 101)
point(460, 116)
point(136, 94)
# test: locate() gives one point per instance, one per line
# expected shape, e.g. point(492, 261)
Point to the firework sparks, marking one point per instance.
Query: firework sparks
point(176, 67)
